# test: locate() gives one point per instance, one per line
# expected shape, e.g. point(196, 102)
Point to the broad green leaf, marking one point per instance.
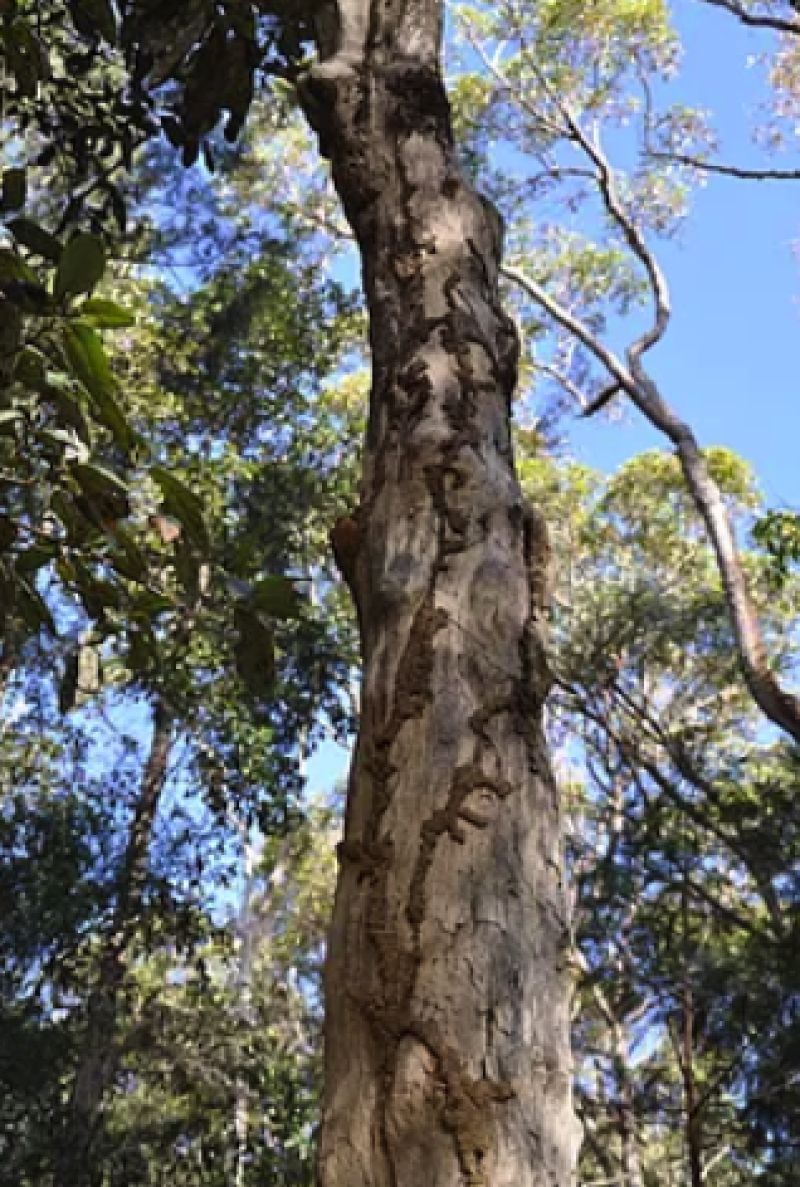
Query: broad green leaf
point(93, 17)
point(149, 604)
point(13, 267)
point(14, 189)
point(32, 608)
point(8, 532)
point(183, 504)
point(107, 315)
point(97, 595)
point(107, 493)
point(254, 653)
point(128, 558)
point(82, 264)
point(30, 368)
point(276, 596)
point(68, 409)
point(9, 419)
point(35, 238)
point(26, 57)
point(36, 557)
point(85, 354)
point(76, 525)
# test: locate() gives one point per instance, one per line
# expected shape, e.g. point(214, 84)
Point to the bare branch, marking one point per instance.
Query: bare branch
point(780, 706)
point(723, 168)
point(569, 321)
point(569, 386)
point(631, 233)
point(600, 401)
point(756, 20)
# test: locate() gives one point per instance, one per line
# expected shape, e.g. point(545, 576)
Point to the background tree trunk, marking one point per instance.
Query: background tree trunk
point(78, 1163)
point(447, 1054)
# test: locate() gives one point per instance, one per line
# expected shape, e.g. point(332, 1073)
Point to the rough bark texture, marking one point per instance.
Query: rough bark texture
point(447, 1055)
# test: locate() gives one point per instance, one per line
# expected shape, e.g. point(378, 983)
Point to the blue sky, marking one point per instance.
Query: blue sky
point(729, 362)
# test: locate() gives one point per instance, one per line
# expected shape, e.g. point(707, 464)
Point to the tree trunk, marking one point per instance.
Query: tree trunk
point(626, 1110)
point(447, 1054)
point(691, 1105)
point(77, 1161)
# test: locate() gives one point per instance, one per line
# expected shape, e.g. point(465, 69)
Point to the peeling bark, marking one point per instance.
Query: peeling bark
point(447, 1056)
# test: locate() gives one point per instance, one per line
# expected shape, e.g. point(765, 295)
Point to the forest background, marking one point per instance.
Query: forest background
point(184, 385)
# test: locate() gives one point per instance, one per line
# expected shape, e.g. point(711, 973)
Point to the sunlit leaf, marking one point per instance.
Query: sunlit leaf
point(106, 314)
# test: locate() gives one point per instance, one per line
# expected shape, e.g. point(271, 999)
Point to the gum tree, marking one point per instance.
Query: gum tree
point(447, 987)
point(447, 998)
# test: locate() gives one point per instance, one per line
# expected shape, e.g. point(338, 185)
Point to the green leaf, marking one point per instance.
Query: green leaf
point(128, 558)
point(96, 595)
point(86, 357)
point(76, 525)
point(107, 315)
point(14, 189)
point(35, 238)
point(82, 264)
point(9, 419)
point(32, 608)
point(26, 57)
point(184, 505)
point(142, 650)
point(106, 492)
point(36, 557)
point(149, 604)
point(93, 18)
point(13, 267)
point(276, 596)
point(254, 653)
point(8, 532)
point(68, 410)
point(30, 368)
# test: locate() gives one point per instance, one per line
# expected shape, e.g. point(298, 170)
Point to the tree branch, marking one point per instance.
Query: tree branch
point(724, 169)
point(756, 20)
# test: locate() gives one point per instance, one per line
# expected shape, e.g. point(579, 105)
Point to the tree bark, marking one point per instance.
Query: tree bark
point(626, 1109)
point(446, 1044)
point(77, 1161)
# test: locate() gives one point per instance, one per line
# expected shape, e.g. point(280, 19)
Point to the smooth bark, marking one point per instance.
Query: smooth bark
point(447, 991)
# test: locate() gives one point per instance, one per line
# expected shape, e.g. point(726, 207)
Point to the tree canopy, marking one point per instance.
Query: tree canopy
point(183, 400)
